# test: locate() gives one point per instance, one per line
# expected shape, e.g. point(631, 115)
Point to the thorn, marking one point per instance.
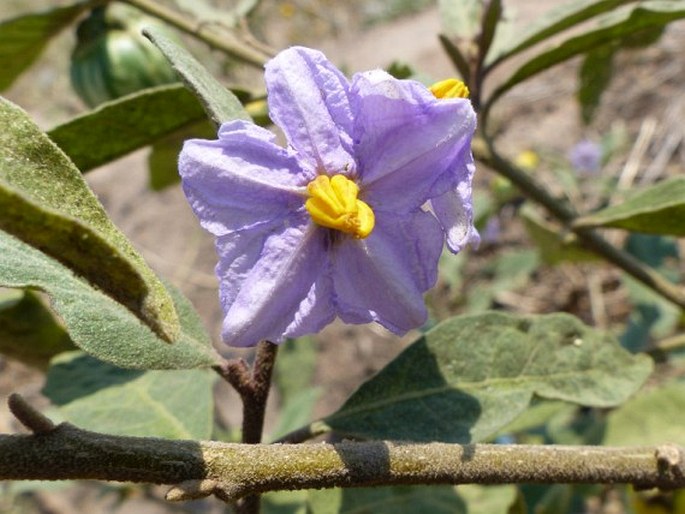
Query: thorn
point(28, 416)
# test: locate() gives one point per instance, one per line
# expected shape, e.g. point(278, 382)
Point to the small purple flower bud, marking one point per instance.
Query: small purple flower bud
point(586, 156)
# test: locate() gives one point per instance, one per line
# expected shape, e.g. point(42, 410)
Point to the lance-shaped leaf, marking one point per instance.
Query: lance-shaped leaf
point(471, 375)
point(29, 332)
point(23, 38)
point(557, 20)
point(658, 209)
point(119, 127)
point(609, 28)
point(220, 104)
point(45, 202)
point(175, 404)
point(99, 325)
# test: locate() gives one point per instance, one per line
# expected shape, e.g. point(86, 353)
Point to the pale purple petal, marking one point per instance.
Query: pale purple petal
point(308, 99)
point(241, 179)
point(274, 282)
point(406, 140)
point(454, 208)
point(382, 278)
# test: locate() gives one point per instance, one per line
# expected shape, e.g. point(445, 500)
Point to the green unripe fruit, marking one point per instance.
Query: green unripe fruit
point(112, 58)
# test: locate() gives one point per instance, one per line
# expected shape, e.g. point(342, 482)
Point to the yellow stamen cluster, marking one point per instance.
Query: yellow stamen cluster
point(450, 88)
point(333, 203)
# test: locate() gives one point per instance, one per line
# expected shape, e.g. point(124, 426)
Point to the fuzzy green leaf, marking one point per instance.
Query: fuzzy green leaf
point(45, 202)
point(557, 20)
point(28, 330)
point(99, 325)
point(657, 209)
point(119, 127)
point(471, 375)
point(23, 38)
point(387, 500)
point(654, 417)
point(610, 28)
point(175, 404)
point(220, 104)
point(595, 75)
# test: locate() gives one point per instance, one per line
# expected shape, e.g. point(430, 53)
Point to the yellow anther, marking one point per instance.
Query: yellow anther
point(333, 203)
point(450, 88)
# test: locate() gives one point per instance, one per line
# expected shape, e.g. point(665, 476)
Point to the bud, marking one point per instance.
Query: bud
point(112, 58)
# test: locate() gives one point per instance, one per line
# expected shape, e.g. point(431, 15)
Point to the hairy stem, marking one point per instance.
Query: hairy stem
point(589, 238)
point(233, 471)
point(223, 40)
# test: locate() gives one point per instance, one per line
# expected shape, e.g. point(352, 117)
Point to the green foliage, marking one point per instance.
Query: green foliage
point(387, 500)
point(553, 245)
point(595, 75)
point(220, 104)
point(557, 20)
point(45, 202)
point(174, 404)
point(99, 325)
point(122, 126)
point(657, 209)
point(28, 330)
point(654, 417)
point(461, 19)
point(612, 27)
point(22, 39)
point(471, 375)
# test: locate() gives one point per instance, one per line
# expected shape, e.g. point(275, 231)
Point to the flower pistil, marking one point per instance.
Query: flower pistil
point(333, 203)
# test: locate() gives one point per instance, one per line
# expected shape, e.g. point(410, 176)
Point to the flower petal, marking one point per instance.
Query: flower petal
point(406, 139)
point(274, 282)
point(241, 179)
point(382, 278)
point(454, 209)
point(308, 99)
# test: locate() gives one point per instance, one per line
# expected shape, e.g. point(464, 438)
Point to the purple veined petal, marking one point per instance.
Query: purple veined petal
point(241, 179)
point(454, 208)
point(308, 99)
point(382, 278)
point(406, 139)
point(274, 281)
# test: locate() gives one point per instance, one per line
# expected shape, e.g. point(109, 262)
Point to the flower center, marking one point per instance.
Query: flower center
point(333, 203)
point(450, 88)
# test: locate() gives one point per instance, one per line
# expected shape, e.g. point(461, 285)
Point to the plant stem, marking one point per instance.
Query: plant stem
point(234, 471)
point(253, 388)
point(223, 41)
point(589, 238)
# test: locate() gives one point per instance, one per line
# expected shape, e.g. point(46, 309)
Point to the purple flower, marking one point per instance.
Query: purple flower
point(586, 156)
point(350, 219)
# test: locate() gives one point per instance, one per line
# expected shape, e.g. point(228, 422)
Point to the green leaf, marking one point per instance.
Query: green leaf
point(461, 19)
point(457, 58)
point(472, 375)
point(285, 502)
point(657, 209)
point(610, 28)
point(28, 330)
point(99, 325)
point(553, 245)
point(557, 20)
point(119, 127)
point(163, 159)
point(296, 412)
point(45, 202)
point(595, 75)
point(220, 104)
point(491, 499)
point(23, 38)
point(174, 404)
point(387, 500)
point(295, 366)
point(491, 19)
point(654, 417)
